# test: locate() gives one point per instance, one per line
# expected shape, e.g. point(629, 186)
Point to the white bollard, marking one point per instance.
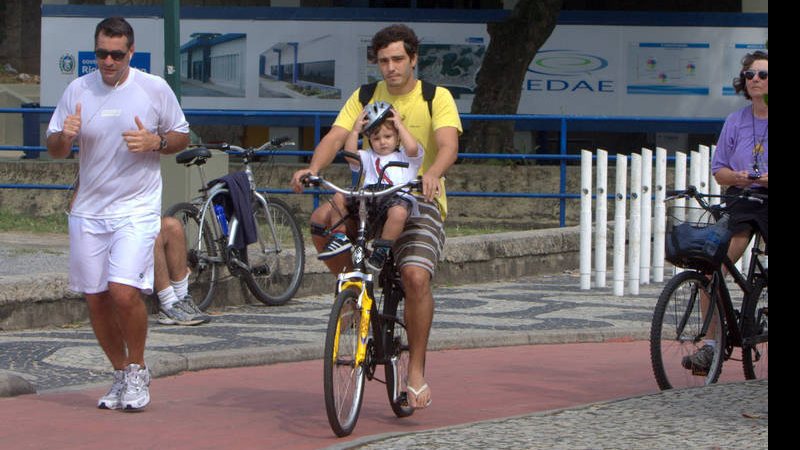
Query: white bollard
point(659, 215)
point(704, 186)
point(647, 201)
point(586, 220)
point(695, 177)
point(601, 219)
point(620, 192)
point(714, 187)
point(635, 231)
point(680, 184)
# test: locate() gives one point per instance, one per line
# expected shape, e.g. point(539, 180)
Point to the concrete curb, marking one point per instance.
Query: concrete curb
point(42, 299)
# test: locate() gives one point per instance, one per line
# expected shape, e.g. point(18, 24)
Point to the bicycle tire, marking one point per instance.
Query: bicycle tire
point(755, 358)
point(396, 348)
point(671, 340)
point(203, 276)
point(275, 266)
point(343, 380)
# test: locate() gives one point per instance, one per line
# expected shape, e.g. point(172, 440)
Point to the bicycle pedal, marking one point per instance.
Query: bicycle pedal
point(699, 372)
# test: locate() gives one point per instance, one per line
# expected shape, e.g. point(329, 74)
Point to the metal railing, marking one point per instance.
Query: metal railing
point(33, 116)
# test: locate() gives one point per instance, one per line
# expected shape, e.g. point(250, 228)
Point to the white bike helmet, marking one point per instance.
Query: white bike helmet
point(376, 113)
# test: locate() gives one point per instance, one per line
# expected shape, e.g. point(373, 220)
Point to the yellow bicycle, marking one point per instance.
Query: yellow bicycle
point(359, 337)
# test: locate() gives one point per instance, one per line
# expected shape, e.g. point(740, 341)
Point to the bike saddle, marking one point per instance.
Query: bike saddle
point(197, 155)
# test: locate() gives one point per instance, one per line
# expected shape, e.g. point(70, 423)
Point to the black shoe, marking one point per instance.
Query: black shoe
point(700, 361)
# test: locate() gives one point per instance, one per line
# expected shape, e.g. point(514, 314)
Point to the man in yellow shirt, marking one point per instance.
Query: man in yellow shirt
point(419, 248)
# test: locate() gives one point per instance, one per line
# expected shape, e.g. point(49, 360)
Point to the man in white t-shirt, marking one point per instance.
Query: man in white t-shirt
point(122, 120)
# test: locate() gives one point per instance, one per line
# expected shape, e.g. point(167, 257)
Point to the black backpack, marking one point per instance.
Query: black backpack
point(367, 90)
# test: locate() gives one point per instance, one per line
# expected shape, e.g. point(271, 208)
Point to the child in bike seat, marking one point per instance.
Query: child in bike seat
point(389, 140)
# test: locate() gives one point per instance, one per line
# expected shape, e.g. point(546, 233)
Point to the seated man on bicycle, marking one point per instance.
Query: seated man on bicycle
point(419, 247)
point(389, 141)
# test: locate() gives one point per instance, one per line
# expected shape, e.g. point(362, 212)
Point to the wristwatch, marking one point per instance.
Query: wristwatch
point(163, 144)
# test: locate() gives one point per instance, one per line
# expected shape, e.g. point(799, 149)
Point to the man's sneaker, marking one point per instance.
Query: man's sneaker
point(188, 304)
point(137, 393)
point(377, 259)
point(700, 362)
point(177, 314)
point(113, 399)
point(338, 243)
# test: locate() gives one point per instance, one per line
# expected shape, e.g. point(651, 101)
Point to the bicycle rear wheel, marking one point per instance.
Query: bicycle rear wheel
point(277, 259)
point(755, 358)
point(676, 329)
point(203, 276)
point(343, 378)
point(396, 348)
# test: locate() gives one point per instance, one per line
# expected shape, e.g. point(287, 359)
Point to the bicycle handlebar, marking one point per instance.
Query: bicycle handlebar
point(273, 143)
point(317, 180)
point(692, 192)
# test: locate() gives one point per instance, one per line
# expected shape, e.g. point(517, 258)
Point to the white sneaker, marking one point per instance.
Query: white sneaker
point(113, 399)
point(136, 394)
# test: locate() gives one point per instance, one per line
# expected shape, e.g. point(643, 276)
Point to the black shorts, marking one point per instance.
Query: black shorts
point(746, 215)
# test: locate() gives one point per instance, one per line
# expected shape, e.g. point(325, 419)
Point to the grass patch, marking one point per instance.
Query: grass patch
point(12, 221)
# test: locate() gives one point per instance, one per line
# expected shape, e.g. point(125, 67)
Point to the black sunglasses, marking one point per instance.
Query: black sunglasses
point(750, 74)
point(116, 55)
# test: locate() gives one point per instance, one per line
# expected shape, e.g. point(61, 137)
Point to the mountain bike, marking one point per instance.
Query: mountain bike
point(271, 267)
point(696, 304)
point(359, 337)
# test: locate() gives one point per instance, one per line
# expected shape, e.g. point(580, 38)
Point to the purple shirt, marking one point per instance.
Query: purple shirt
point(737, 141)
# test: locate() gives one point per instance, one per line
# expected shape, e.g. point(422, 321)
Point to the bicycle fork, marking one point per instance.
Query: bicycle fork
point(365, 305)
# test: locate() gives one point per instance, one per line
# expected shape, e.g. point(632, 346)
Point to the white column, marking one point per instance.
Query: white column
point(620, 191)
point(695, 174)
point(713, 187)
point(678, 205)
point(704, 185)
point(659, 215)
point(635, 231)
point(586, 220)
point(601, 219)
point(647, 201)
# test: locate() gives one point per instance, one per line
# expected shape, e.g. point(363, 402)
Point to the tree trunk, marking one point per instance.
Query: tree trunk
point(513, 44)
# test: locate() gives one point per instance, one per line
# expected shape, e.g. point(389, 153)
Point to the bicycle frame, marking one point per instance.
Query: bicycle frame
point(733, 320)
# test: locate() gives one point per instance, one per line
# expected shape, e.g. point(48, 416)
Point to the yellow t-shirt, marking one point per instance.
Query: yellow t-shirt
point(413, 110)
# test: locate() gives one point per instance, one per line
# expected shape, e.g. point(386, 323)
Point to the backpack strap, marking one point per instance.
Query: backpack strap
point(428, 92)
point(366, 92)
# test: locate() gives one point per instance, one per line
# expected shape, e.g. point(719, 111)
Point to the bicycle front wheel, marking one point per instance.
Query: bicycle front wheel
point(676, 333)
point(755, 356)
point(343, 377)
point(201, 250)
point(396, 348)
point(276, 260)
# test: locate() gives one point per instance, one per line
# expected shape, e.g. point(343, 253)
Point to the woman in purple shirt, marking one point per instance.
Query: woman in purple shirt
point(741, 160)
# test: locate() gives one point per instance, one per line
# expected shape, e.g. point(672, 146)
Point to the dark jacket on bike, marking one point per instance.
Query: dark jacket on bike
point(238, 203)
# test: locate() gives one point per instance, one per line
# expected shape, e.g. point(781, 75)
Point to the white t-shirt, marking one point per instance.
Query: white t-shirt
point(392, 175)
point(113, 181)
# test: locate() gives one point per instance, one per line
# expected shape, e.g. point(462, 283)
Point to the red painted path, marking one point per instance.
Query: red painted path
point(282, 407)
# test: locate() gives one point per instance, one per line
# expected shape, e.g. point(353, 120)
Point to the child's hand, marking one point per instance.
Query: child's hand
point(361, 122)
point(395, 118)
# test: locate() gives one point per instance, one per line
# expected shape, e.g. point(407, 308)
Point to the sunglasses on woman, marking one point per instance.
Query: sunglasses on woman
point(750, 74)
point(116, 55)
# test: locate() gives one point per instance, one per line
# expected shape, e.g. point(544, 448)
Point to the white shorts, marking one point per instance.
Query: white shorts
point(118, 250)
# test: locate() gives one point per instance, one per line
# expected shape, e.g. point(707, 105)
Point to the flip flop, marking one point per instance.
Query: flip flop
point(416, 393)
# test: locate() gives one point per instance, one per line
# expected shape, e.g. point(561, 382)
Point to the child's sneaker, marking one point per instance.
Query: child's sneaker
point(338, 243)
point(377, 259)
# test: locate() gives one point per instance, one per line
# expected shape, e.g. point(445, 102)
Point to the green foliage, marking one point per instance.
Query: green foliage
point(12, 221)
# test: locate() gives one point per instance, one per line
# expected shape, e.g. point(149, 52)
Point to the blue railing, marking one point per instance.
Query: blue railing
point(33, 116)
